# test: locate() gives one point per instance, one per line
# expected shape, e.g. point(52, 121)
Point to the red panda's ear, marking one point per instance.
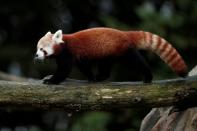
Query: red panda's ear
point(57, 37)
point(48, 33)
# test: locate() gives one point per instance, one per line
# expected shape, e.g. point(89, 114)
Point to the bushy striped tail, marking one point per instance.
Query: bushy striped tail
point(147, 40)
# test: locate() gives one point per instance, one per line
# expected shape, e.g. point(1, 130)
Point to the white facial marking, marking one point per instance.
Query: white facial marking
point(57, 37)
point(43, 52)
point(39, 55)
point(49, 50)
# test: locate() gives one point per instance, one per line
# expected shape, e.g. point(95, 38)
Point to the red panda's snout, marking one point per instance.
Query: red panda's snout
point(39, 54)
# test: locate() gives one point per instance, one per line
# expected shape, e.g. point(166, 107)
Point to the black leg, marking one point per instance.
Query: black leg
point(139, 63)
point(86, 68)
point(104, 69)
point(64, 66)
point(145, 69)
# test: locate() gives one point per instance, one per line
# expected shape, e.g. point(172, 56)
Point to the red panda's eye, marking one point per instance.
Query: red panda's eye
point(41, 49)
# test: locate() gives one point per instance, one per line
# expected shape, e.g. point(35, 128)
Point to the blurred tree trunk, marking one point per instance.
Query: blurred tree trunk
point(161, 119)
point(8, 77)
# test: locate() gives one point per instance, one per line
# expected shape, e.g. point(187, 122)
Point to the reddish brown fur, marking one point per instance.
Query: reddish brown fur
point(97, 43)
point(164, 50)
point(102, 42)
point(57, 49)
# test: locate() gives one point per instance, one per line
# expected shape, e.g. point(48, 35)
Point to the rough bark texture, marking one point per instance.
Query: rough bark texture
point(77, 95)
point(160, 119)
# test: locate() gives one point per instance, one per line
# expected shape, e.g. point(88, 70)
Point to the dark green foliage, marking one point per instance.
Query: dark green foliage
point(24, 22)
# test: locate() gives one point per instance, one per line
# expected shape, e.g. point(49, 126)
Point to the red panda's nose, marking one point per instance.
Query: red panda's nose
point(36, 57)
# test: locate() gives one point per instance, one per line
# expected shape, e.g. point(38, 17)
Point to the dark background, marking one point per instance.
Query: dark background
point(23, 23)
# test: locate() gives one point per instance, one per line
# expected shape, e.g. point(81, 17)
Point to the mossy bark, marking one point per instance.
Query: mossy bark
point(76, 95)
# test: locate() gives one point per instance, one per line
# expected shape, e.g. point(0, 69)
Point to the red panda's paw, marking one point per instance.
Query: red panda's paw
point(51, 80)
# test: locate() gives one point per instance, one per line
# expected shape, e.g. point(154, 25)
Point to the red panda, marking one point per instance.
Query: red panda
point(102, 44)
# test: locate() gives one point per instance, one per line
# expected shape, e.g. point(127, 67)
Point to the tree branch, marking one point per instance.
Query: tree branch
point(77, 95)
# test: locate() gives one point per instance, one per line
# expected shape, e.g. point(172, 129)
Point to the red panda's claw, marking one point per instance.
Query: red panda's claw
point(50, 81)
point(47, 81)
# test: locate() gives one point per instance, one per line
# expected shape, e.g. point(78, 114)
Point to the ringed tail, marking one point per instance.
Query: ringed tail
point(149, 41)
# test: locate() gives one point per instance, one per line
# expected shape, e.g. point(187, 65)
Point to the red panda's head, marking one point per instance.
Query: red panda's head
point(49, 45)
